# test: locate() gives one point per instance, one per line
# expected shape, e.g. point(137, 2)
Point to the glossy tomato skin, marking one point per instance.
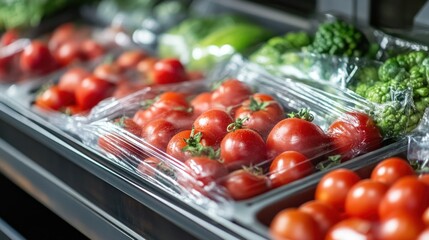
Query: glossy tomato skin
point(424, 178)
point(363, 199)
point(214, 121)
point(129, 59)
point(9, 37)
point(352, 228)
point(67, 53)
point(325, 215)
point(168, 70)
point(91, 50)
point(109, 72)
point(230, 93)
point(424, 234)
point(54, 98)
point(262, 113)
point(353, 134)
point(242, 184)
point(92, 90)
point(242, 147)
point(401, 225)
point(289, 166)
point(71, 79)
point(201, 103)
point(146, 65)
point(294, 224)
point(407, 194)
point(334, 187)
point(391, 169)
point(294, 134)
point(37, 59)
point(200, 172)
point(178, 142)
point(121, 144)
point(426, 217)
point(62, 34)
point(158, 133)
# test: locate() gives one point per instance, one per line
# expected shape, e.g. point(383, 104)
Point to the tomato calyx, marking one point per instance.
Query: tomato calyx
point(237, 124)
point(419, 166)
point(257, 171)
point(120, 122)
point(194, 146)
point(255, 105)
point(166, 170)
point(303, 113)
point(332, 161)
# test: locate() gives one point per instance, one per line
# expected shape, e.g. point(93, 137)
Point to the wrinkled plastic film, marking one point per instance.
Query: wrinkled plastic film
point(418, 145)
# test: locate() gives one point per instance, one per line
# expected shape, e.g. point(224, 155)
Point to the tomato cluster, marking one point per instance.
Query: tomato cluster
point(242, 140)
point(79, 89)
point(67, 45)
point(392, 203)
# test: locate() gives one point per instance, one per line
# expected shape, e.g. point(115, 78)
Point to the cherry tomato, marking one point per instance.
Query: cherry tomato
point(294, 134)
point(109, 71)
point(262, 113)
point(67, 53)
point(325, 215)
point(242, 147)
point(243, 184)
point(424, 235)
point(214, 121)
point(71, 79)
point(9, 37)
point(120, 144)
point(158, 133)
point(407, 194)
point(424, 178)
point(145, 66)
point(90, 50)
point(352, 229)
point(149, 166)
point(195, 75)
point(353, 134)
point(129, 59)
point(125, 88)
point(73, 110)
point(401, 225)
point(289, 166)
point(168, 70)
point(92, 90)
point(229, 93)
point(201, 103)
point(426, 216)
point(187, 143)
point(36, 58)
point(364, 198)
point(391, 169)
point(294, 224)
point(334, 187)
point(201, 172)
point(62, 34)
point(53, 98)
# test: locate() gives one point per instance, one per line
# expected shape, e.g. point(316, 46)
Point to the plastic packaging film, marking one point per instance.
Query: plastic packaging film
point(214, 146)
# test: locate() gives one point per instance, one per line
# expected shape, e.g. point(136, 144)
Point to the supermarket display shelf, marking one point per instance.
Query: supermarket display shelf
point(93, 196)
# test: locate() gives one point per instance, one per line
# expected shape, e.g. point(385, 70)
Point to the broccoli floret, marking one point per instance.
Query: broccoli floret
point(339, 38)
point(404, 87)
point(271, 52)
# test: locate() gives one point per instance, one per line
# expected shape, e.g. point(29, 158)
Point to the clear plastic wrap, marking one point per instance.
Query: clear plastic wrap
point(418, 145)
point(214, 153)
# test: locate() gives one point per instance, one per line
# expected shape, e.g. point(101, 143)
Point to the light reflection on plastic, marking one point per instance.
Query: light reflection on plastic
point(144, 36)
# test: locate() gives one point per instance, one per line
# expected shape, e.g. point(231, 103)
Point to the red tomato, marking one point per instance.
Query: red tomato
point(352, 228)
point(129, 59)
point(242, 147)
point(36, 58)
point(67, 53)
point(364, 198)
point(125, 88)
point(168, 70)
point(109, 71)
point(158, 133)
point(230, 93)
point(73, 110)
point(424, 235)
point(214, 121)
point(62, 34)
point(121, 144)
point(195, 75)
point(289, 166)
point(401, 225)
point(426, 216)
point(53, 98)
point(71, 79)
point(262, 113)
point(149, 166)
point(391, 169)
point(325, 215)
point(407, 194)
point(353, 134)
point(201, 172)
point(243, 184)
point(334, 187)
point(145, 66)
point(294, 224)
point(295, 134)
point(9, 37)
point(186, 144)
point(201, 103)
point(92, 90)
point(424, 178)
point(90, 49)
